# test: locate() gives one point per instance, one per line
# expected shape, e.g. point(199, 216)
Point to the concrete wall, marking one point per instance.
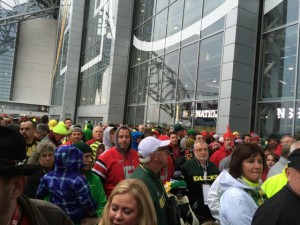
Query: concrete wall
point(34, 62)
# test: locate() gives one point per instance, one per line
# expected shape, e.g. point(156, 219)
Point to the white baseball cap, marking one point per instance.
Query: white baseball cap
point(150, 144)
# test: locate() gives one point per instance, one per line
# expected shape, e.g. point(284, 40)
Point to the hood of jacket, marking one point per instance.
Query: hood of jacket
point(106, 138)
point(117, 141)
point(68, 158)
point(227, 182)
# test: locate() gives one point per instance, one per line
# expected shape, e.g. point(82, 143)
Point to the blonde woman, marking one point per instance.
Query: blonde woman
point(129, 204)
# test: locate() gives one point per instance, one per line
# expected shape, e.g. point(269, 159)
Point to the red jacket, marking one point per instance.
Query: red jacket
point(218, 155)
point(112, 167)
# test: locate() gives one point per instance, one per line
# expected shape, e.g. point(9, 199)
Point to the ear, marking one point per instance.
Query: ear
point(153, 156)
point(287, 172)
point(18, 185)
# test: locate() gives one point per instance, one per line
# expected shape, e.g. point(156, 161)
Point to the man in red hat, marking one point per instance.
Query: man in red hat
point(225, 150)
point(15, 207)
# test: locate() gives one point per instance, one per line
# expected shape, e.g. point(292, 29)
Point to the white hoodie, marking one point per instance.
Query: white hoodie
point(227, 196)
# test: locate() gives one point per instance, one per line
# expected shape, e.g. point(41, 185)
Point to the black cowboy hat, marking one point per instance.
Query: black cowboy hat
point(13, 154)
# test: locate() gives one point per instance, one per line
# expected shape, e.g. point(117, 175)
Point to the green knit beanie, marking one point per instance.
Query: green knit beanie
point(84, 148)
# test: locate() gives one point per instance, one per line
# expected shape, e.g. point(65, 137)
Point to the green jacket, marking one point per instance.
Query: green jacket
point(274, 184)
point(97, 191)
point(156, 189)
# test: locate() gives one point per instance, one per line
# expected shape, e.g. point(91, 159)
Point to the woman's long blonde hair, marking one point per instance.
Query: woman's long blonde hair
point(141, 194)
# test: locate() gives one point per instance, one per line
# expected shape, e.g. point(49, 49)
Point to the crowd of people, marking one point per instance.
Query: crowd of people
point(56, 172)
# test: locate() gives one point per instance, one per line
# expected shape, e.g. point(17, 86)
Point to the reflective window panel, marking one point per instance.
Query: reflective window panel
point(143, 82)
point(130, 115)
point(279, 64)
point(133, 85)
point(276, 118)
point(174, 25)
point(170, 70)
point(278, 13)
point(159, 33)
point(191, 20)
point(167, 113)
point(297, 121)
point(183, 113)
point(152, 115)
point(209, 67)
point(187, 72)
point(140, 114)
point(155, 80)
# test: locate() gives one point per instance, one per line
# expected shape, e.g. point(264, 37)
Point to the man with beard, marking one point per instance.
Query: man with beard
point(118, 162)
point(199, 173)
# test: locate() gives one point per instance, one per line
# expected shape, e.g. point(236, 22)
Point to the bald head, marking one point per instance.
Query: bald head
point(98, 133)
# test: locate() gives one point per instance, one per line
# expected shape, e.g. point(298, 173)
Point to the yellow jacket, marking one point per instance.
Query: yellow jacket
point(274, 184)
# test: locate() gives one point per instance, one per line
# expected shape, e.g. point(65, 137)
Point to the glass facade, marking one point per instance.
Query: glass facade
point(97, 39)
point(175, 64)
point(8, 39)
point(278, 98)
point(61, 52)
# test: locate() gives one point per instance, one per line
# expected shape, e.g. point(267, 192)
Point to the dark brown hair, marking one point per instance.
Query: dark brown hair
point(242, 152)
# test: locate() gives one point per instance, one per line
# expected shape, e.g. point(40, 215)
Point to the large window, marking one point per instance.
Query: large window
point(278, 13)
point(171, 66)
point(276, 118)
point(278, 78)
point(187, 72)
point(209, 67)
point(278, 111)
point(96, 55)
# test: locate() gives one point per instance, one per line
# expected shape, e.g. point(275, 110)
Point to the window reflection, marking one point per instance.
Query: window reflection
point(279, 63)
point(140, 112)
point(136, 53)
point(215, 27)
point(143, 82)
point(277, 13)
point(183, 114)
point(155, 78)
point(297, 121)
point(167, 112)
point(276, 118)
point(174, 25)
point(209, 66)
point(152, 114)
point(130, 115)
point(161, 4)
point(147, 37)
point(192, 14)
point(160, 31)
point(149, 9)
point(210, 5)
point(139, 12)
point(133, 85)
point(170, 70)
point(187, 72)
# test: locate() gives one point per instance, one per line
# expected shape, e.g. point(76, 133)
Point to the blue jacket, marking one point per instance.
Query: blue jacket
point(66, 187)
